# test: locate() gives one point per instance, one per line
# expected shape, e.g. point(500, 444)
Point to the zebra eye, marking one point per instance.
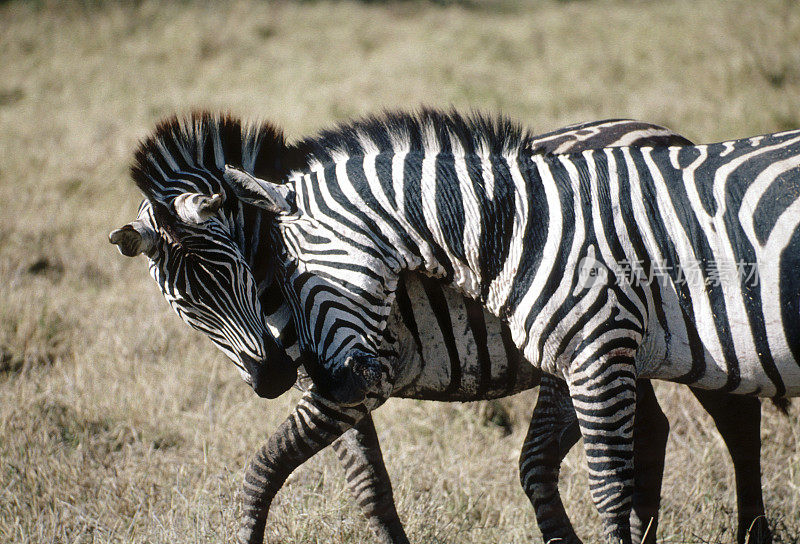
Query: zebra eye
point(195, 208)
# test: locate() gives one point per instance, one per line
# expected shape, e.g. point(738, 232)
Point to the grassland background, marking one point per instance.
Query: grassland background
point(120, 424)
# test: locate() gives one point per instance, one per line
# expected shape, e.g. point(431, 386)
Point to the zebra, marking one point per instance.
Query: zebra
point(540, 241)
point(199, 166)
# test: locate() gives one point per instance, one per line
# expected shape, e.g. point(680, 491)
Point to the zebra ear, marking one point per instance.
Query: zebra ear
point(195, 208)
point(134, 238)
point(258, 192)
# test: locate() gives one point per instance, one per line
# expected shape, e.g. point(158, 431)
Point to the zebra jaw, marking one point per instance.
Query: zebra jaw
point(195, 208)
point(272, 197)
point(133, 238)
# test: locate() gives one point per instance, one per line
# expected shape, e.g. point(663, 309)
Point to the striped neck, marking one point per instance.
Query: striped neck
point(433, 191)
point(449, 214)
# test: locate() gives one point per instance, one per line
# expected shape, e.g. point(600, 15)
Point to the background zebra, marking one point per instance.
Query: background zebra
point(467, 201)
point(430, 324)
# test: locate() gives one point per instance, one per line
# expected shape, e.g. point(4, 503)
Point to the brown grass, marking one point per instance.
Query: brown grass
point(119, 424)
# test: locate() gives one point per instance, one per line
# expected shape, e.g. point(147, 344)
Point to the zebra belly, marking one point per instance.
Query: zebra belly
point(451, 349)
point(673, 350)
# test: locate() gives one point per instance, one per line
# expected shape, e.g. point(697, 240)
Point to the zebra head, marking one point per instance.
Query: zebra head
point(366, 368)
point(202, 249)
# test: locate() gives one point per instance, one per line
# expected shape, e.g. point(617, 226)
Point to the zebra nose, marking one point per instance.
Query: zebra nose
point(273, 377)
point(359, 374)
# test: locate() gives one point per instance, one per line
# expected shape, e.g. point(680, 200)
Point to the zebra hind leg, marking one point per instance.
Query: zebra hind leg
point(359, 452)
point(552, 432)
point(651, 430)
point(738, 420)
point(603, 391)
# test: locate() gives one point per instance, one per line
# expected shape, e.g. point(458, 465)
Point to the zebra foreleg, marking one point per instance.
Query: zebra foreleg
point(603, 392)
point(314, 424)
point(553, 431)
point(554, 427)
point(360, 454)
point(738, 419)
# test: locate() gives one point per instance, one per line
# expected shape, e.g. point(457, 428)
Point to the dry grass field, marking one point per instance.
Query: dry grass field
point(120, 424)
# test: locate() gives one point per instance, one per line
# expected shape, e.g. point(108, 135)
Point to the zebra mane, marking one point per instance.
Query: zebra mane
point(188, 154)
point(427, 130)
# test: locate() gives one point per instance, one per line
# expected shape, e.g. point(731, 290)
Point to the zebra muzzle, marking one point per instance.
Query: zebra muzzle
point(357, 376)
point(273, 377)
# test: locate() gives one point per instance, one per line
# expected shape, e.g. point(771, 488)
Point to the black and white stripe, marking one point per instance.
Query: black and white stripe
point(468, 201)
point(429, 325)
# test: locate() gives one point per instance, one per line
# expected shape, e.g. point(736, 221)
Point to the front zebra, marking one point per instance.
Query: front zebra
point(188, 159)
point(543, 242)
